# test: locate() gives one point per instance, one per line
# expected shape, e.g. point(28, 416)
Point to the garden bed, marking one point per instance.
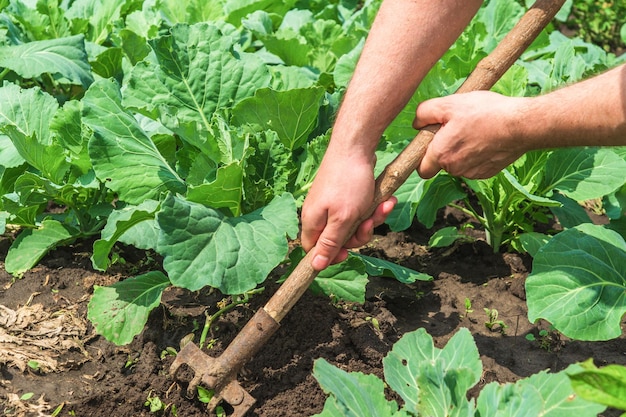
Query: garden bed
point(95, 377)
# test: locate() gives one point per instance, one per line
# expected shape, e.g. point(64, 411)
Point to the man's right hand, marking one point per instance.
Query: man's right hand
point(341, 194)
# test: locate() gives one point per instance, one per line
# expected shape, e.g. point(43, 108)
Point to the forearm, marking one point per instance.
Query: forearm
point(406, 39)
point(589, 113)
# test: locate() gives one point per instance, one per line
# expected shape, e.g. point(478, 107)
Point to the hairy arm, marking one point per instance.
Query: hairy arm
point(406, 39)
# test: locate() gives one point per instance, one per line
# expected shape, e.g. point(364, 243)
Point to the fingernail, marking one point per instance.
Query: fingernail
point(320, 262)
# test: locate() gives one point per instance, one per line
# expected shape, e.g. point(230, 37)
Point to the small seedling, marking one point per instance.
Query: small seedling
point(154, 402)
point(157, 406)
point(205, 395)
point(547, 339)
point(130, 362)
point(168, 351)
point(492, 320)
point(468, 307)
point(27, 396)
point(34, 365)
point(374, 322)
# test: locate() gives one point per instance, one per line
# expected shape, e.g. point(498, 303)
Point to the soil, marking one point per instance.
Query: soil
point(81, 374)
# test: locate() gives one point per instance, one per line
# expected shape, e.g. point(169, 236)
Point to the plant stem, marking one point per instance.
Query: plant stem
point(470, 212)
point(302, 190)
point(4, 73)
point(210, 319)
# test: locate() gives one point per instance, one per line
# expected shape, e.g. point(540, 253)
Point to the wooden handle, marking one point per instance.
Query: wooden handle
point(485, 75)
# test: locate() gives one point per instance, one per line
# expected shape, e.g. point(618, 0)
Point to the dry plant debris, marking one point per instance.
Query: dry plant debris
point(31, 335)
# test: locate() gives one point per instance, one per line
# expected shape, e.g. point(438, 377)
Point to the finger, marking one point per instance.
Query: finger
point(329, 245)
point(312, 228)
point(383, 210)
point(342, 256)
point(362, 235)
point(426, 114)
point(365, 230)
point(429, 166)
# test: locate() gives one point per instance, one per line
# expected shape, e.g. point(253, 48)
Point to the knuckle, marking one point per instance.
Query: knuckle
point(327, 243)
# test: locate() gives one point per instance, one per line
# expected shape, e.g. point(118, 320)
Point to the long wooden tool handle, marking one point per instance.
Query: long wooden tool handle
point(485, 75)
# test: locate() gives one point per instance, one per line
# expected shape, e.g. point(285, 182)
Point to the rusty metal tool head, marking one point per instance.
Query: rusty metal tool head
point(220, 374)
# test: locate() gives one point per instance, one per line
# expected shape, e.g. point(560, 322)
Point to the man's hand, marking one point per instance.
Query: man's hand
point(342, 193)
point(477, 138)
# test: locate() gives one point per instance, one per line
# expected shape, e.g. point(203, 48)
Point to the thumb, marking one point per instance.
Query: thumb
point(329, 247)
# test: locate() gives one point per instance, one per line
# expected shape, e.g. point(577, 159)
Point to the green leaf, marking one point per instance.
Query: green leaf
point(135, 47)
point(513, 83)
point(122, 153)
point(65, 57)
point(120, 312)
point(346, 63)
point(434, 381)
point(108, 64)
point(499, 17)
point(270, 170)
point(46, 21)
point(118, 223)
point(530, 242)
point(225, 192)
point(292, 114)
point(32, 244)
point(606, 385)
point(382, 268)
point(67, 128)
point(570, 213)
point(203, 247)
point(509, 400)
point(35, 190)
point(238, 9)
point(439, 192)
point(445, 237)
point(290, 77)
point(146, 22)
point(353, 394)
point(578, 283)
point(25, 118)
point(409, 195)
point(557, 395)
point(4, 216)
point(344, 281)
point(196, 73)
point(100, 16)
point(192, 11)
point(542, 394)
point(9, 156)
point(584, 173)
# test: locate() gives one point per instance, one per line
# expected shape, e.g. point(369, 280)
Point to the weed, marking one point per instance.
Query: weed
point(374, 322)
point(205, 395)
point(168, 351)
point(156, 405)
point(154, 402)
point(549, 340)
point(492, 321)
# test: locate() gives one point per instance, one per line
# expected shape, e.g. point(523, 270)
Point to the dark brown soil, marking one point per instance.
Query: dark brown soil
point(102, 379)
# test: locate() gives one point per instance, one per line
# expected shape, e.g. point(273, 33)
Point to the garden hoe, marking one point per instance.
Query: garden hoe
point(220, 374)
